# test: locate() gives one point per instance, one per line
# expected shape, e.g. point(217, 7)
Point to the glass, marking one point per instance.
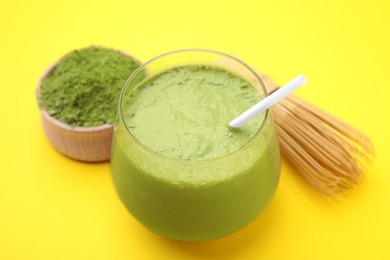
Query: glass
point(202, 199)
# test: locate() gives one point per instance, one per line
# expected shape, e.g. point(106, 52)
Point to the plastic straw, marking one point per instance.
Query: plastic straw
point(269, 101)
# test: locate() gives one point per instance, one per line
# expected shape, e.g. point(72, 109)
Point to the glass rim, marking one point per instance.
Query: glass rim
point(166, 157)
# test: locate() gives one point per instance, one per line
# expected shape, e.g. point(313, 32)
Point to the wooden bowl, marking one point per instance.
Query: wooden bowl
point(87, 144)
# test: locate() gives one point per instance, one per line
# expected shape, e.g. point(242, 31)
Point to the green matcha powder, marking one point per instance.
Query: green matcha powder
point(83, 89)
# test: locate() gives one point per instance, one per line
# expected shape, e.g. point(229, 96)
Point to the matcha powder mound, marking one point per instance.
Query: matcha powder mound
point(84, 87)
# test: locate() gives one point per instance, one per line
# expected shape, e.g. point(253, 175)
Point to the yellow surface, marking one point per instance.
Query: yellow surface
point(54, 208)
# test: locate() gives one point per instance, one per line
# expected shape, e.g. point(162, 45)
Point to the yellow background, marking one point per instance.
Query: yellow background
point(55, 208)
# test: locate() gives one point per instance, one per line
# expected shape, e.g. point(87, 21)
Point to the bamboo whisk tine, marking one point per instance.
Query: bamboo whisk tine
point(329, 153)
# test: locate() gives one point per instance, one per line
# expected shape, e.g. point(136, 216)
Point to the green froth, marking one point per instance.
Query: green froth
point(184, 112)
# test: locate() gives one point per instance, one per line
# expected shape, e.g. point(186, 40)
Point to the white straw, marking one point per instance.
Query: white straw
point(269, 101)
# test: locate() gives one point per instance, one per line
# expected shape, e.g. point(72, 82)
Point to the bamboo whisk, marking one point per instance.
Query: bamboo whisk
point(328, 152)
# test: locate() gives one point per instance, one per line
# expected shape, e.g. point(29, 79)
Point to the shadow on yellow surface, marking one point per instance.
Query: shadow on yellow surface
point(235, 244)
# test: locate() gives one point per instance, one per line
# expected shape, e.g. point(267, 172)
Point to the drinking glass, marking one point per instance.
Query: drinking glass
point(195, 200)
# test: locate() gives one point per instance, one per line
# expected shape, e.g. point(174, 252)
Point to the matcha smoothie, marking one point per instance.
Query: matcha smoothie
point(177, 165)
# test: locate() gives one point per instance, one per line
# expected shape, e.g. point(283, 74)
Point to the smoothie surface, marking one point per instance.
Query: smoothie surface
point(184, 112)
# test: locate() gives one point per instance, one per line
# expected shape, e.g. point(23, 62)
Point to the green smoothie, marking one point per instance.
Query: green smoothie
point(177, 165)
